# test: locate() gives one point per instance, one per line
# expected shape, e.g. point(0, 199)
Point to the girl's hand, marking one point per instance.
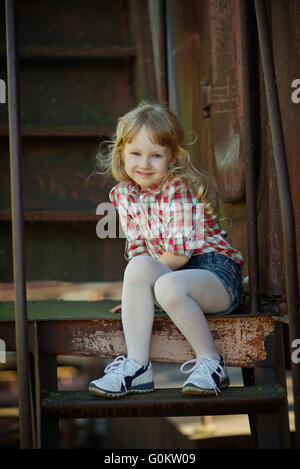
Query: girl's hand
point(116, 309)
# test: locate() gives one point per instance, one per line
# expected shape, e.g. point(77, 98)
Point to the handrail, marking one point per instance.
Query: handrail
point(285, 198)
point(25, 402)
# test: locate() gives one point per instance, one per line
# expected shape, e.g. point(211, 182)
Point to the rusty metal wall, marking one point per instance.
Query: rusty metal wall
point(205, 50)
point(284, 19)
point(76, 81)
point(82, 65)
point(206, 91)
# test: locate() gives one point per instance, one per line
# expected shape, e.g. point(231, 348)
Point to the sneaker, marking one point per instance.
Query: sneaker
point(123, 376)
point(208, 376)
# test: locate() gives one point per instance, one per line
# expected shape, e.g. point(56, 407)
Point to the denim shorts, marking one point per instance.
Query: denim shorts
point(228, 271)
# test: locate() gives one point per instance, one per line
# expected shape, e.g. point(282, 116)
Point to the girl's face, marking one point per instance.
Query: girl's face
point(146, 163)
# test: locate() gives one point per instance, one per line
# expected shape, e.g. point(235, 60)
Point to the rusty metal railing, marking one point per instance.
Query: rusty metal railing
point(25, 402)
point(250, 165)
point(285, 198)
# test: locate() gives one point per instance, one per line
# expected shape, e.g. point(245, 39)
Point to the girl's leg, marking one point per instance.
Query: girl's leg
point(138, 304)
point(185, 295)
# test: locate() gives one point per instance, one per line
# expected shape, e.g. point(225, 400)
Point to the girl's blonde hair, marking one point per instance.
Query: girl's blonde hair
point(165, 130)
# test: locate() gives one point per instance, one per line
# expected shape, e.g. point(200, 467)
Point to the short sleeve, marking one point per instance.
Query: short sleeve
point(133, 248)
point(183, 220)
point(114, 196)
point(135, 242)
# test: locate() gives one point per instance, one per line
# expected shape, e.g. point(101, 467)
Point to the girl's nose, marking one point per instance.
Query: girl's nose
point(145, 163)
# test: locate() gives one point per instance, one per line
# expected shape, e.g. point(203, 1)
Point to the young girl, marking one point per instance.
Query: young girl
point(167, 266)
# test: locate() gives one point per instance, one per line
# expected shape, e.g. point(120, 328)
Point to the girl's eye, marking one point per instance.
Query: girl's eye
point(157, 155)
point(135, 153)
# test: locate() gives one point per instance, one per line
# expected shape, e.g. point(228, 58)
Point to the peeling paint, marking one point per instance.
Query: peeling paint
point(227, 154)
point(241, 340)
point(244, 341)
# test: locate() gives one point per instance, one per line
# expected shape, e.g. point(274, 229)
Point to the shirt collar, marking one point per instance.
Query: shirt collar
point(134, 189)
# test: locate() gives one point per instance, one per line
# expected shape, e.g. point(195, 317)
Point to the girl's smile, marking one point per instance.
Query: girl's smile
point(146, 163)
point(144, 174)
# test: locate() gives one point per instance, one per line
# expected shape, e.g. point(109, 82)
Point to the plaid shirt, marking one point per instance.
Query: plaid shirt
point(156, 220)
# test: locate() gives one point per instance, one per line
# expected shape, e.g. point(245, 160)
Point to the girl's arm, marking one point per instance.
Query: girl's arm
point(173, 261)
point(170, 260)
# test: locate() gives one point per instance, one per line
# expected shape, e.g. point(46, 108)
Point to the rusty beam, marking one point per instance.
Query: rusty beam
point(244, 341)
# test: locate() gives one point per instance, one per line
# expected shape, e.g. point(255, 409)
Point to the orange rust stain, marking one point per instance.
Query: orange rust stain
point(240, 340)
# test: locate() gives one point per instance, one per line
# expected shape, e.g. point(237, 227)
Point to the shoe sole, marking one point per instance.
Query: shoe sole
point(101, 393)
point(191, 390)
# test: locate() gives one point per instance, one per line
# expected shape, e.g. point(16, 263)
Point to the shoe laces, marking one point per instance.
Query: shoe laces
point(118, 366)
point(207, 366)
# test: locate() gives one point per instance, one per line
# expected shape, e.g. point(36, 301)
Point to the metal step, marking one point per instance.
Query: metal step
point(163, 403)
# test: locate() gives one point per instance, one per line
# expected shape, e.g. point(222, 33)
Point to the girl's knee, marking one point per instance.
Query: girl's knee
point(138, 268)
point(167, 291)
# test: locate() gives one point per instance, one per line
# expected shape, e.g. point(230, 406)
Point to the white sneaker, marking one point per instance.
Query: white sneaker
point(123, 376)
point(208, 376)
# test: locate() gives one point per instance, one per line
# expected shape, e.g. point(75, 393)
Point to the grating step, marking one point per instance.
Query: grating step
point(163, 403)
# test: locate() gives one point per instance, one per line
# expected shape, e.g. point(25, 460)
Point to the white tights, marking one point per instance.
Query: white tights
point(183, 294)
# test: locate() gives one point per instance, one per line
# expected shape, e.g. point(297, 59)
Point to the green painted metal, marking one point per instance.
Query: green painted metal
point(59, 309)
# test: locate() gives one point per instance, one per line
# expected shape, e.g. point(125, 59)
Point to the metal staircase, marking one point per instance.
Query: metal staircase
point(83, 77)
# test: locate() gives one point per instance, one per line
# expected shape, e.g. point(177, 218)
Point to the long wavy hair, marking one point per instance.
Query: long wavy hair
point(164, 129)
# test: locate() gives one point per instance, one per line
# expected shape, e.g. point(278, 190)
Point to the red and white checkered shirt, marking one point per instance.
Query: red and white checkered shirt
point(156, 220)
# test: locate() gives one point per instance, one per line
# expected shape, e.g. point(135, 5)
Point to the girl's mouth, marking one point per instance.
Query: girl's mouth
point(144, 174)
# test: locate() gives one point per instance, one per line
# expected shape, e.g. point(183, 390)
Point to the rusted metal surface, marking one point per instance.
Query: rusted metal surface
point(248, 101)
point(57, 180)
point(188, 62)
point(79, 72)
point(71, 53)
point(74, 132)
point(143, 67)
point(61, 247)
point(244, 341)
point(286, 208)
point(5, 215)
point(284, 21)
point(97, 24)
point(59, 176)
point(158, 35)
point(203, 38)
point(230, 142)
point(85, 102)
point(164, 403)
